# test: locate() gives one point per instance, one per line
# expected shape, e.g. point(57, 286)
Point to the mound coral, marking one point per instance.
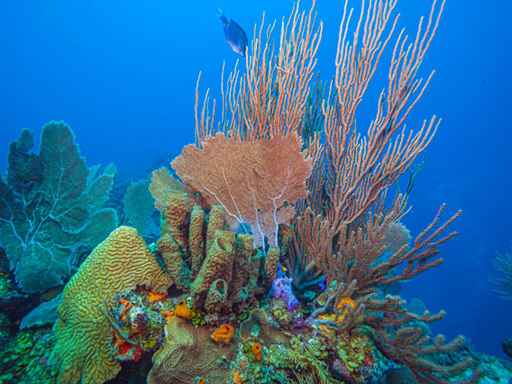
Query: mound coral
point(258, 325)
point(84, 333)
point(189, 353)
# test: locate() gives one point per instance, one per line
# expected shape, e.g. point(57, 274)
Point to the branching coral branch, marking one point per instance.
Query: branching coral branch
point(362, 269)
point(413, 346)
point(362, 256)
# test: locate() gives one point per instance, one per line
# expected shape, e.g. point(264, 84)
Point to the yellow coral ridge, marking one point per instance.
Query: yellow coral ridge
point(83, 332)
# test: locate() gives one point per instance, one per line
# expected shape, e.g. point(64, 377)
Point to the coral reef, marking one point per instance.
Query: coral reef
point(51, 208)
point(84, 331)
point(212, 297)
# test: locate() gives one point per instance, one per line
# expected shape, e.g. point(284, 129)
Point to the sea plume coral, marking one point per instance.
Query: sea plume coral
point(503, 280)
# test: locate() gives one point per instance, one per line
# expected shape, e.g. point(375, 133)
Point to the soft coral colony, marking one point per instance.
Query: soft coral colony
point(280, 249)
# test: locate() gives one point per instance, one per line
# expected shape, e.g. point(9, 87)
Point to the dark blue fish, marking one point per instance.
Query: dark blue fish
point(235, 35)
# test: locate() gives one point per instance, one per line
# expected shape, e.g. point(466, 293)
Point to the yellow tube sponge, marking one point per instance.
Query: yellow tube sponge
point(83, 332)
point(196, 238)
point(217, 265)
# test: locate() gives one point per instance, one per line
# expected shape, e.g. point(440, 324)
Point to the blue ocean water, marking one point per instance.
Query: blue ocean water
point(122, 74)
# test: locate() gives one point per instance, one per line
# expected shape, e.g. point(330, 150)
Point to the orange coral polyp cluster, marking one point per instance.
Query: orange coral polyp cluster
point(257, 351)
point(184, 311)
point(345, 303)
point(236, 376)
point(224, 334)
point(127, 306)
point(156, 296)
point(167, 313)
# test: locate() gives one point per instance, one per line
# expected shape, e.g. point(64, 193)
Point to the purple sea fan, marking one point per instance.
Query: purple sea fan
point(282, 288)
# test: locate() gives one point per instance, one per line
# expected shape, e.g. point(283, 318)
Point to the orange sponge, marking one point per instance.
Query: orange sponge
point(224, 334)
point(257, 351)
point(184, 311)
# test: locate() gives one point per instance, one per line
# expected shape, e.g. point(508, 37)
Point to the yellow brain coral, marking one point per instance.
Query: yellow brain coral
point(189, 353)
point(83, 332)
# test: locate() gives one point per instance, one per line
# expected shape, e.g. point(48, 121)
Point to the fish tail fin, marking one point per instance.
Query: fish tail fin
point(222, 16)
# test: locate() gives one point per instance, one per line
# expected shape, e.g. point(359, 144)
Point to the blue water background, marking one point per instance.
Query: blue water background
point(122, 74)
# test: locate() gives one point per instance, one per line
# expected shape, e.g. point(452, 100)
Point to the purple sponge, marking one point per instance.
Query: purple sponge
point(282, 287)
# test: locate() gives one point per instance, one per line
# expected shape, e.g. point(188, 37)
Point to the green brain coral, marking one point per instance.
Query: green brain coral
point(84, 335)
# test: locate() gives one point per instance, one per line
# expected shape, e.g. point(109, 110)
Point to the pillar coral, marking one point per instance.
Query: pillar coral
point(83, 331)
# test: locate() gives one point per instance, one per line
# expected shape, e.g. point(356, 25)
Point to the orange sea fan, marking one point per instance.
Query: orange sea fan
point(256, 181)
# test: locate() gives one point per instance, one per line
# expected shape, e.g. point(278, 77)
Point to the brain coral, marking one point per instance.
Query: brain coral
point(189, 353)
point(83, 332)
